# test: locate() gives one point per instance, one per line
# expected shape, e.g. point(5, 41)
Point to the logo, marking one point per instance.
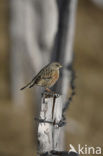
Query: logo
point(86, 149)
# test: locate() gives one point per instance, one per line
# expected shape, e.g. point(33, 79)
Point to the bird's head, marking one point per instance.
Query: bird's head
point(56, 65)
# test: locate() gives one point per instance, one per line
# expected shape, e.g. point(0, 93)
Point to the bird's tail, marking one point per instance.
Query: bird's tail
point(29, 85)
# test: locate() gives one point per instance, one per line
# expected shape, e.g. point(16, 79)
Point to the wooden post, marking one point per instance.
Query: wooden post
point(48, 128)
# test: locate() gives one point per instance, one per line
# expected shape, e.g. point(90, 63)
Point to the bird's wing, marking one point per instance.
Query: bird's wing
point(42, 76)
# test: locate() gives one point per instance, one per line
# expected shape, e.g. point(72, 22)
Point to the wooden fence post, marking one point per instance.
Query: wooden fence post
point(49, 120)
point(50, 127)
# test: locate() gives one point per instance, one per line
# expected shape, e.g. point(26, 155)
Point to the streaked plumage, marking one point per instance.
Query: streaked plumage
point(47, 77)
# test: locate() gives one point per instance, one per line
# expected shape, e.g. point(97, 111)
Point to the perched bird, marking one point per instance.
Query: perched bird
point(47, 77)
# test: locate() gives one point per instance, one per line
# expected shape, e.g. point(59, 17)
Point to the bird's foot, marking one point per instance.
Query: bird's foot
point(48, 90)
point(50, 93)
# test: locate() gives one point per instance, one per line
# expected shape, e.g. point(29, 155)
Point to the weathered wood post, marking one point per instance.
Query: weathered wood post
point(50, 127)
point(49, 123)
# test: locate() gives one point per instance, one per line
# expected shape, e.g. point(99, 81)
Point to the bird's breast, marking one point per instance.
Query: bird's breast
point(55, 76)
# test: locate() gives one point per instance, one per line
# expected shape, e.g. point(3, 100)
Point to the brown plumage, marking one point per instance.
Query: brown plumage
point(47, 77)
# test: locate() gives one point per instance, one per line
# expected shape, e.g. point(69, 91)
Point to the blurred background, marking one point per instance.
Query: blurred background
point(85, 114)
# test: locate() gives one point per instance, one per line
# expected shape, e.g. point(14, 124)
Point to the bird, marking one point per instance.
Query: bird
point(47, 77)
